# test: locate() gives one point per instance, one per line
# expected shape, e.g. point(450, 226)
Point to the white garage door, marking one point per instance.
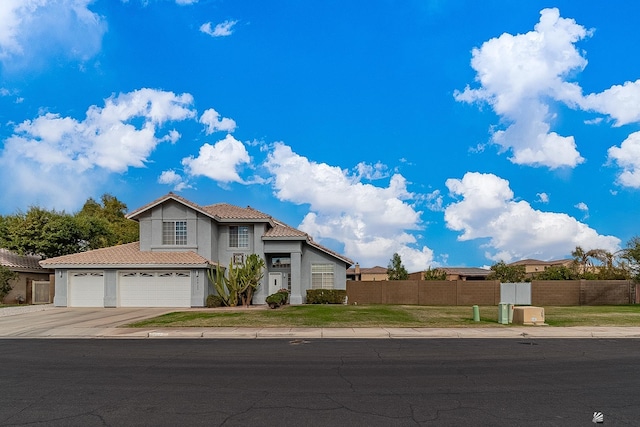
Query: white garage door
point(86, 289)
point(154, 289)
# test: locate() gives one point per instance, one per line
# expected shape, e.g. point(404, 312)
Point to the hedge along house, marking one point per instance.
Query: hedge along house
point(179, 242)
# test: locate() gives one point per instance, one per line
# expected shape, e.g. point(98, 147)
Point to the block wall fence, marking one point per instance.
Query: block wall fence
point(487, 292)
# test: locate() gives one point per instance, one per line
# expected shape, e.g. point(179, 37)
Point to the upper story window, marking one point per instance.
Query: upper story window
point(174, 233)
point(238, 236)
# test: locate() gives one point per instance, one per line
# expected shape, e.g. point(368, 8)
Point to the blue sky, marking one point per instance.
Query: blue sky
point(456, 133)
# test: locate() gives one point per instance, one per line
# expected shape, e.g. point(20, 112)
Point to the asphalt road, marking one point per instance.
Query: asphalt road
point(496, 382)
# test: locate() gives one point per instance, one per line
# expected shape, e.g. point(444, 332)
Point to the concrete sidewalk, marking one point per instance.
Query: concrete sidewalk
point(52, 322)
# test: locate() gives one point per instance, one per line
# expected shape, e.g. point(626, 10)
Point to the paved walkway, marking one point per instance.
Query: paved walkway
point(56, 322)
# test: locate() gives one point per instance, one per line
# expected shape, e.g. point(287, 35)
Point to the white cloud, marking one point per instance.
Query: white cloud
point(372, 222)
point(212, 120)
point(434, 201)
point(487, 210)
point(582, 206)
point(63, 152)
point(543, 197)
point(627, 157)
point(223, 29)
point(620, 102)
point(170, 177)
point(34, 31)
point(220, 161)
point(186, 2)
point(517, 75)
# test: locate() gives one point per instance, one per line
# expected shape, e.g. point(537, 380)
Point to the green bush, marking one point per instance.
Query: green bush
point(277, 299)
point(214, 301)
point(326, 296)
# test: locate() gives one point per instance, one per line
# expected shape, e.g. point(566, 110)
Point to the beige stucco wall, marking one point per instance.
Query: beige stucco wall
point(22, 286)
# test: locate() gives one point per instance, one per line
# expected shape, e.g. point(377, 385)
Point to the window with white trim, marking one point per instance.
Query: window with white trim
point(238, 236)
point(322, 276)
point(174, 233)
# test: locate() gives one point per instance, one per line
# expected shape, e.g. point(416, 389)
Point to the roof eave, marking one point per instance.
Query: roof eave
point(123, 266)
point(132, 215)
point(285, 238)
point(242, 220)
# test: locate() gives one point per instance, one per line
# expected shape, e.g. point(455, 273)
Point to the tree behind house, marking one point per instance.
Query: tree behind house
point(434, 274)
point(396, 270)
point(50, 233)
point(507, 273)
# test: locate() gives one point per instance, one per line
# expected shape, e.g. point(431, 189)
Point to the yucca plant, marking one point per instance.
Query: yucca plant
point(240, 281)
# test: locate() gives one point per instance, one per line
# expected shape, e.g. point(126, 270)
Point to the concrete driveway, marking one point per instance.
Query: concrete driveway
point(59, 322)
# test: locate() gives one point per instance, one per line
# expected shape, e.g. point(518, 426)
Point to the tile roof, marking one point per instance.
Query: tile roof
point(467, 271)
point(538, 262)
point(368, 270)
point(227, 211)
point(16, 262)
point(128, 254)
point(281, 229)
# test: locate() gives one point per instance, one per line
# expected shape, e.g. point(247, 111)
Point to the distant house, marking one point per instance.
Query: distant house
point(534, 266)
point(179, 242)
point(358, 273)
point(32, 285)
point(457, 273)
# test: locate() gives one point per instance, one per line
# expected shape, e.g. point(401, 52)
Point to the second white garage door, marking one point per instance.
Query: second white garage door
point(154, 289)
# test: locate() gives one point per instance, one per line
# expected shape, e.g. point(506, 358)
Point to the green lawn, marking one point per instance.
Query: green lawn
point(362, 316)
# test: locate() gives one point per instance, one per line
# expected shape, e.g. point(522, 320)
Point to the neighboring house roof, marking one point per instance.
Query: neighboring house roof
point(466, 271)
point(16, 262)
point(128, 255)
point(539, 262)
point(368, 270)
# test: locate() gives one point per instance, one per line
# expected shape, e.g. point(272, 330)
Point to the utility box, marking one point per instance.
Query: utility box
point(528, 316)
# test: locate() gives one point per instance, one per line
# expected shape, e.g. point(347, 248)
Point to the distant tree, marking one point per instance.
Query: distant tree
point(507, 273)
point(557, 272)
point(42, 232)
point(435, 274)
point(6, 276)
point(395, 269)
point(631, 257)
point(600, 264)
point(50, 233)
point(3, 232)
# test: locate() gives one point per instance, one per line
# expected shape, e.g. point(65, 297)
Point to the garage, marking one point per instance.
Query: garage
point(154, 289)
point(86, 289)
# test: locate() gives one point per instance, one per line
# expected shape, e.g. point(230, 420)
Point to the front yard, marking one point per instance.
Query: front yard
point(363, 316)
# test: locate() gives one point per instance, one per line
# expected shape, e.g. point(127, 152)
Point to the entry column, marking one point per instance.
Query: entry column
point(296, 277)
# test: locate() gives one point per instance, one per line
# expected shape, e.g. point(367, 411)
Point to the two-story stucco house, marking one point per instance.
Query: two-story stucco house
point(179, 242)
